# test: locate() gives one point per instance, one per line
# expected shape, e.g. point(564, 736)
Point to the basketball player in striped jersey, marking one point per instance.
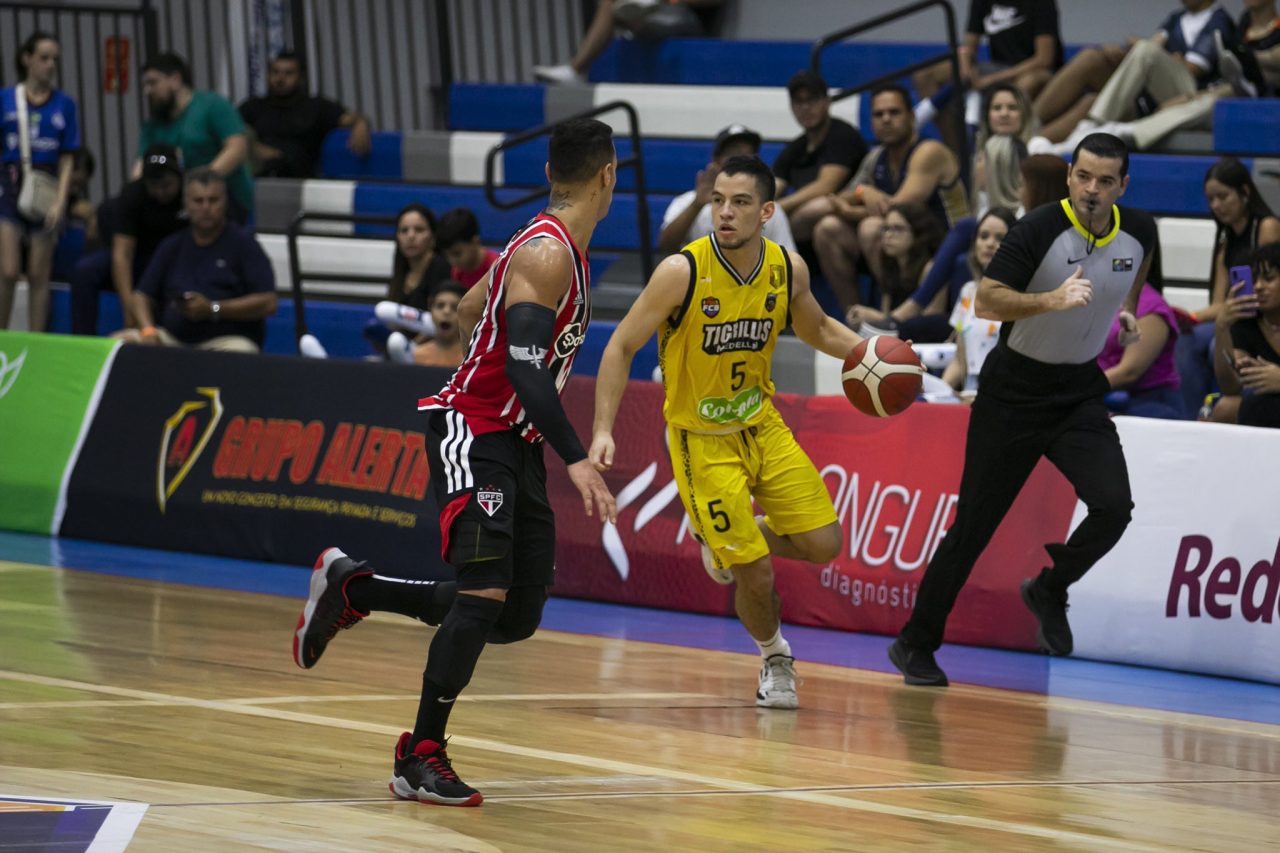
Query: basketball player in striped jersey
point(485, 433)
point(718, 307)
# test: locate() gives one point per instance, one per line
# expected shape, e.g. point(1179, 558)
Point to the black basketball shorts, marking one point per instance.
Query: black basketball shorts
point(496, 524)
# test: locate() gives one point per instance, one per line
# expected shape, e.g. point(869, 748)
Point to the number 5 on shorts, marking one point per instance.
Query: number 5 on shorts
point(720, 518)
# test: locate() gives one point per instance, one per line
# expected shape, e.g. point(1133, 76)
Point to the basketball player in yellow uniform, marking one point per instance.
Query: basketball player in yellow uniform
point(719, 306)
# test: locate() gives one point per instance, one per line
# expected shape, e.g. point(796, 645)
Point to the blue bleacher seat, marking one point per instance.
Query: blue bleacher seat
point(1247, 126)
point(383, 163)
point(480, 106)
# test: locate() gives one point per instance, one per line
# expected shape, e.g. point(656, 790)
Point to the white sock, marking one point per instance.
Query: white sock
point(775, 645)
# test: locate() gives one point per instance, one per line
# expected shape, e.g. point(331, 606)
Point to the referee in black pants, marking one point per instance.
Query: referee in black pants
point(1057, 282)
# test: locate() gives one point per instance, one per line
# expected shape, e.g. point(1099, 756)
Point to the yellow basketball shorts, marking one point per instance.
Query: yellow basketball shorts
point(718, 475)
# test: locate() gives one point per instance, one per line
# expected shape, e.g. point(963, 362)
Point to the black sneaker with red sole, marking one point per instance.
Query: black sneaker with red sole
point(327, 610)
point(425, 774)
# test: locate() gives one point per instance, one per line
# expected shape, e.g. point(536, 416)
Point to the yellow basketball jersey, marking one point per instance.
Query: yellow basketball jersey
point(717, 355)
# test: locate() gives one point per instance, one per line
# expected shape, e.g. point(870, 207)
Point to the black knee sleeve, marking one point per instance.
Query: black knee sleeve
point(521, 615)
point(459, 641)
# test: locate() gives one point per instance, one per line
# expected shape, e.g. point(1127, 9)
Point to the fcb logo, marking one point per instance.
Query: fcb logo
point(770, 301)
point(711, 306)
point(490, 500)
point(1122, 265)
point(186, 433)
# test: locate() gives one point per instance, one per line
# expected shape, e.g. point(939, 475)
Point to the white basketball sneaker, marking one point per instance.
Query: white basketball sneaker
point(778, 683)
point(724, 577)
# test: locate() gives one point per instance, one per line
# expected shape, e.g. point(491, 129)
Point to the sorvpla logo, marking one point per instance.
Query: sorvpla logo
point(1215, 590)
point(9, 370)
point(186, 433)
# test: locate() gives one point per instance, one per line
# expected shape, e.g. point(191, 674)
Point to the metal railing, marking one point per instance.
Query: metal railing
point(296, 275)
point(951, 55)
point(634, 161)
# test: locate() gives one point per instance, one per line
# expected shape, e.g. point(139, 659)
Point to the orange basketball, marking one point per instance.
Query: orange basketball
point(881, 376)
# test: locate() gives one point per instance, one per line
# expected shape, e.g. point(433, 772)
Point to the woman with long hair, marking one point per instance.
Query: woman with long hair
point(34, 188)
point(909, 237)
point(417, 267)
point(974, 337)
point(1243, 222)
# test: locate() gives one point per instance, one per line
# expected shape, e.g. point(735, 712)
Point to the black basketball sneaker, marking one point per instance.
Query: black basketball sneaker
point(426, 775)
point(327, 610)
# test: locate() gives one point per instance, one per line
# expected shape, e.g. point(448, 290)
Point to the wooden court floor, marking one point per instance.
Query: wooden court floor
point(186, 699)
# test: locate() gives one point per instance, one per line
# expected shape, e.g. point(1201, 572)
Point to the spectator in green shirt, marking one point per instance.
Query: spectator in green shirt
point(204, 126)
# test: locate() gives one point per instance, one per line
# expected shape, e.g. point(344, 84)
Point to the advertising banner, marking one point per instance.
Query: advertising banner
point(261, 457)
point(893, 483)
point(1195, 582)
point(47, 388)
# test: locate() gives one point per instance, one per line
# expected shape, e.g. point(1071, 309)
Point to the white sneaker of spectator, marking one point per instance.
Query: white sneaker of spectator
point(399, 348)
point(309, 346)
point(557, 74)
point(393, 315)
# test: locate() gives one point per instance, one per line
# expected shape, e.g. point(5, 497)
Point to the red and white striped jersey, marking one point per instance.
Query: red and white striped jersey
point(479, 389)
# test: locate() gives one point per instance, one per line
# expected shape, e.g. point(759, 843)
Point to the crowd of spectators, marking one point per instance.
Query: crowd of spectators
point(899, 223)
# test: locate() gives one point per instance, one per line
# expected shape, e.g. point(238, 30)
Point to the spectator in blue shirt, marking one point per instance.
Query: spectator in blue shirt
point(212, 282)
point(54, 134)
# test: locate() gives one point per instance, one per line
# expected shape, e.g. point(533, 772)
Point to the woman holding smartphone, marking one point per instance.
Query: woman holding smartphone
point(1244, 222)
point(1247, 346)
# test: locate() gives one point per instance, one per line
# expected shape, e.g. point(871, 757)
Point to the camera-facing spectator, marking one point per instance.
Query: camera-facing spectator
point(204, 126)
point(445, 347)
point(134, 223)
point(458, 240)
point(212, 282)
point(39, 135)
point(974, 336)
point(819, 161)
point(688, 217)
point(1247, 349)
point(289, 125)
point(911, 236)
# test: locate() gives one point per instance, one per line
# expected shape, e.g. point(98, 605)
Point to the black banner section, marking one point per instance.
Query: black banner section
point(260, 457)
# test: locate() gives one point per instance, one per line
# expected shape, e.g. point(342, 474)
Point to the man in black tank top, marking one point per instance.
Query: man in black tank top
point(1059, 278)
point(901, 168)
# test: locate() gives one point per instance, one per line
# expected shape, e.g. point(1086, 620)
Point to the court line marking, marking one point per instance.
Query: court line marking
point(355, 697)
point(1137, 784)
point(623, 767)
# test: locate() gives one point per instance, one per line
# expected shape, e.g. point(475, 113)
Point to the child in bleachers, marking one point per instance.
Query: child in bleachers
point(444, 348)
point(458, 239)
point(1247, 346)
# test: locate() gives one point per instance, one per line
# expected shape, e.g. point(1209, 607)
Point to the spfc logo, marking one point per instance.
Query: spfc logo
point(770, 301)
point(710, 306)
point(186, 433)
point(490, 500)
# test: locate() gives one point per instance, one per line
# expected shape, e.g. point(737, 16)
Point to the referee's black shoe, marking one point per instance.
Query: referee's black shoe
point(1050, 609)
point(917, 665)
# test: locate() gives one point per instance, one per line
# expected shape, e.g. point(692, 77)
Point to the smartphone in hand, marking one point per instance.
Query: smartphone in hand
point(1242, 275)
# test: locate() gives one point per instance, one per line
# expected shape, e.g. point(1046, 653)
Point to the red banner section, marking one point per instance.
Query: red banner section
point(893, 482)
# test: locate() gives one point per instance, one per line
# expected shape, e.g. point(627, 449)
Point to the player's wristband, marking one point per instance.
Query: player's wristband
point(529, 330)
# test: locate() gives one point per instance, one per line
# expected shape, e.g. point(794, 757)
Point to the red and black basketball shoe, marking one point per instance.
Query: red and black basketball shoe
point(327, 610)
point(426, 775)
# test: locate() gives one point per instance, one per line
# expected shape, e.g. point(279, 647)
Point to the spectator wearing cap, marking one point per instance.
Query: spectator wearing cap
point(212, 282)
point(203, 125)
point(132, 224)
point(819, 161)
point(688, 217)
